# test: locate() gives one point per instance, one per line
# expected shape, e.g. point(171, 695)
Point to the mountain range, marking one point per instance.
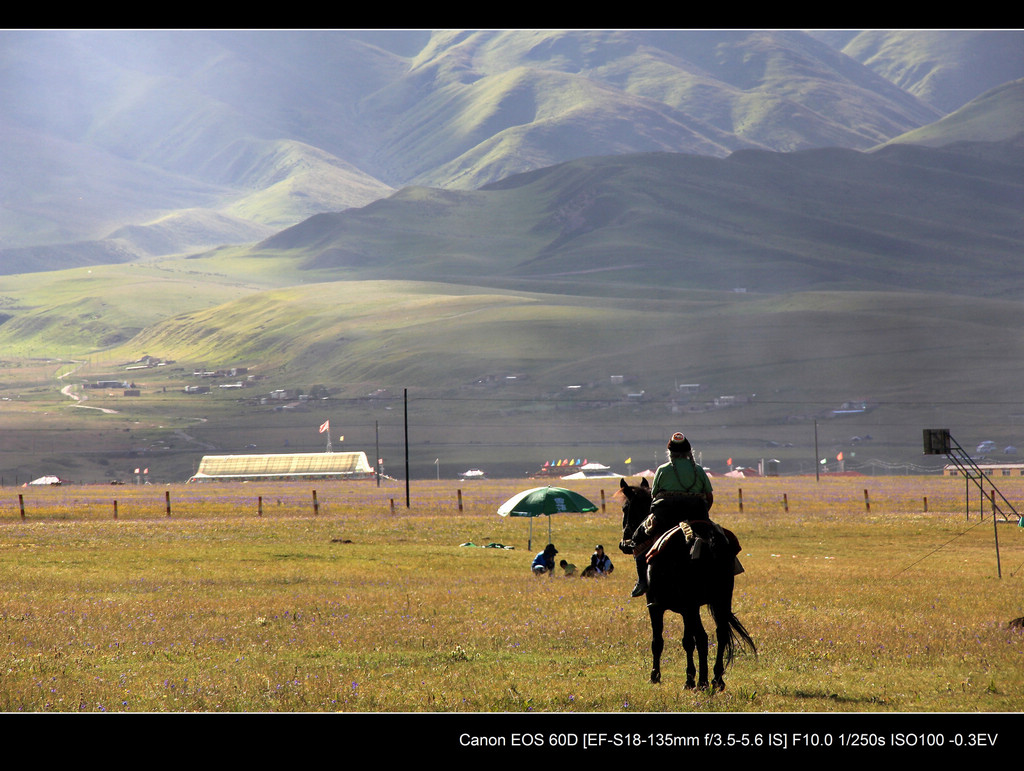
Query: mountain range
point(800, 214)
point(211, 137)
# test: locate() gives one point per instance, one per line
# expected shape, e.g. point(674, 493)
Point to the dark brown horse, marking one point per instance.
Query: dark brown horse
point(681, 582)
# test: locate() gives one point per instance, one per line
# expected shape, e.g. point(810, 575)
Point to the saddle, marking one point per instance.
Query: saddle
point(704, 539)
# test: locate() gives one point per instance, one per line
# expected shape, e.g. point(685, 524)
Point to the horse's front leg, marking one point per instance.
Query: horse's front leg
point(657, 641)
point(688, 645)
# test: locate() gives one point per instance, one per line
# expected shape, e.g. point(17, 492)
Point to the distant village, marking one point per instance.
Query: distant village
point(615, 389)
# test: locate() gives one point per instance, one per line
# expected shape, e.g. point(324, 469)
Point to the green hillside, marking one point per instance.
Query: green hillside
point(508, 380)
point(992, 117)
point(904, 218)
point(901, 218)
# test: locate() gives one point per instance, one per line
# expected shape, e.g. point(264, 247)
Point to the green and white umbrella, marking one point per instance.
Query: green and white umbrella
point(543, 502)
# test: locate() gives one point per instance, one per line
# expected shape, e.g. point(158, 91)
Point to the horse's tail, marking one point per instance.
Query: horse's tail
point(737, 633)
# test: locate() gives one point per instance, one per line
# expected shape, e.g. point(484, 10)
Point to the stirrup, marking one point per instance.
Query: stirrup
point(639, 590)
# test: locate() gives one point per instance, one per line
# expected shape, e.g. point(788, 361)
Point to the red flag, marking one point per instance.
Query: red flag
point(326, 426)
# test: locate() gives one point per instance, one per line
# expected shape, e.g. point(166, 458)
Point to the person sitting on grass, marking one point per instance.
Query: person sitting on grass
point(544, 562)
point(600, 563)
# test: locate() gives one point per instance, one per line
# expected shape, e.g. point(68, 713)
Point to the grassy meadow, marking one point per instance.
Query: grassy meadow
point(328, 596)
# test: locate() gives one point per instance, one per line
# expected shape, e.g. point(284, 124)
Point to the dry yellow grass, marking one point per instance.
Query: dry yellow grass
point(855, 605)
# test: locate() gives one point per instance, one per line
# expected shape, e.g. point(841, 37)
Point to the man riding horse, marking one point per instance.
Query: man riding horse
point(681, 493)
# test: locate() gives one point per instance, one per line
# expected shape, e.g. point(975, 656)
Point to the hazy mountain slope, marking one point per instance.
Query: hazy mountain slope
point(905, 217)
point(181, 230)
point(54, 191)
point(286, 182)
point(944, 68)
point(536, 97)
point(195, 93)
point(236, 116)
point(290, 181)
point(524, 119)
point(140, 123)
point(994, 116)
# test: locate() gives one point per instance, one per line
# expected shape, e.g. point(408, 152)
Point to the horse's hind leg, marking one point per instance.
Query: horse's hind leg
point(657, 641)
point(694, 637)
point(723, 637)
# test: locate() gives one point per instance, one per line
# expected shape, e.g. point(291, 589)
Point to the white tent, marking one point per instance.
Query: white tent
point(593, 471)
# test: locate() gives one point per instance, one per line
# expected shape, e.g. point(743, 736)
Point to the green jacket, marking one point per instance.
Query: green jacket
point(687, 477)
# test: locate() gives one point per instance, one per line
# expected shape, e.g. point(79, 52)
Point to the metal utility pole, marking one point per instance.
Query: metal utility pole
point(817, 465)
point(406, 408)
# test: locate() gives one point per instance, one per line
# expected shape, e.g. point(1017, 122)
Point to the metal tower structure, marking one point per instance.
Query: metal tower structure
point(938, 441)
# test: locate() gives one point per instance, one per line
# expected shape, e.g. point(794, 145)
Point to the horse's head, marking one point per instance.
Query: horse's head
point(635, 507)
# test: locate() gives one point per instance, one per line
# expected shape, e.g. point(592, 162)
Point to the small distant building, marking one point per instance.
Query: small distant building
point(856, 407)
point(281, 466)
point(988, 469)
